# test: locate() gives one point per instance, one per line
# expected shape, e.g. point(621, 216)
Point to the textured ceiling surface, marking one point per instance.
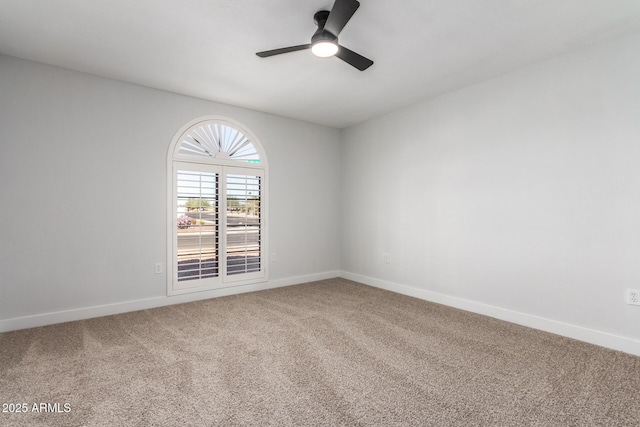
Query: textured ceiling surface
point(206, 49)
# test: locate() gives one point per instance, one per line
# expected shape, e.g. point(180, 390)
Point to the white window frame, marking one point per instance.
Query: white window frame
point(223, 166)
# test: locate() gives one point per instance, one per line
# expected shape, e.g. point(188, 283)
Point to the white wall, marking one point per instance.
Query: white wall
point(520, 194)
point(83, 192)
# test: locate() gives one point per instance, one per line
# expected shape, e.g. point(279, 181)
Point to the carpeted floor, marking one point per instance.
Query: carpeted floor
point(327, 353)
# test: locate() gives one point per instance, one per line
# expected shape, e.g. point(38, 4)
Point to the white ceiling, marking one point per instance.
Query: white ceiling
point(206, 48)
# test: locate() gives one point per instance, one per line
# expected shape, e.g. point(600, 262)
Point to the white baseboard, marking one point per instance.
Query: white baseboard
point(592, 336)
point(44, 319)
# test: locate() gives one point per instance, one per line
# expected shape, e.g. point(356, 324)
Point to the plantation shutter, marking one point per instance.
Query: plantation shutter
point(217, 209)
point(243, 222)
point(197, 225)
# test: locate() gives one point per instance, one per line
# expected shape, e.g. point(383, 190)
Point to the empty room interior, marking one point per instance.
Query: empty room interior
point(321, 212)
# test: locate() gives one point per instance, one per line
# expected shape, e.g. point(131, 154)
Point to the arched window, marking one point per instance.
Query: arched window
point(217, 207)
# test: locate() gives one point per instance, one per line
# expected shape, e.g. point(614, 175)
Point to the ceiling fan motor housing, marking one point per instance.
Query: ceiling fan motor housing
point(320, 18)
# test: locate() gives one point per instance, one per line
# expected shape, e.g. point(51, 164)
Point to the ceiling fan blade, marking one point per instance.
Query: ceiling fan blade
point(267, 53)
point(354, 59)
point(342, 11)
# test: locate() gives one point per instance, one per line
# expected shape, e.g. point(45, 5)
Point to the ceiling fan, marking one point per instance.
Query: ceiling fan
point(324, 42)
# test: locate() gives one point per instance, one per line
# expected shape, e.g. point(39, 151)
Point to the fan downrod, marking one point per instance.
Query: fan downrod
point(320, 18)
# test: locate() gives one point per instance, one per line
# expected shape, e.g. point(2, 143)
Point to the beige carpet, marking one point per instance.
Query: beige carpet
point(327, 353)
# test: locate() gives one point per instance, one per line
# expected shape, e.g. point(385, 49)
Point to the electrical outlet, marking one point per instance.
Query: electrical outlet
point(633, 296)
point(158, 268)
point(386, 258)
point(274, 257)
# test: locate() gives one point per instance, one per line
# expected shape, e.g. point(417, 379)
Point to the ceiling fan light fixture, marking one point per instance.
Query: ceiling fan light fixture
point(324, 42)
point(324, 49)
